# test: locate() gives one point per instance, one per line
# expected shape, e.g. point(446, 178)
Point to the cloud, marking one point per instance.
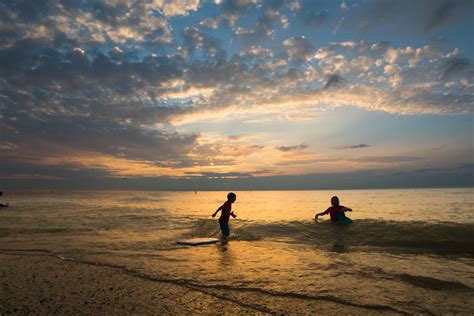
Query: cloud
point(423, 16)
point(305, 161)
point(89, 22)
point(355, 146)
point(233, 138)
point(446, 11)
point(219, 175)
point(176, 7)
point(265, 25)
point(67, 171)
point(195, 39)
point(122, 77)
point(210, 22)
point(312, 15)
point(94, 135)
point(257, 51)
point(344, 5)
point(388, 159)
point(117, 81)
point(334, 81)
point(298, 48)
point(292, 148)
point(459, 176)
point(455, 67)
point(233, 9)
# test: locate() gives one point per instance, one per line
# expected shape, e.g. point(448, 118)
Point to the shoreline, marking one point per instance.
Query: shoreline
point(42, 283)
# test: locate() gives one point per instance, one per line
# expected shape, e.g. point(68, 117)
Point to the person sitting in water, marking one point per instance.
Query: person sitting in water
point(3, 205)
point(336, 212)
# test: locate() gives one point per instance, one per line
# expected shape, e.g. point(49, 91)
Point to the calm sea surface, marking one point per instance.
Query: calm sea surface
point(407, 250)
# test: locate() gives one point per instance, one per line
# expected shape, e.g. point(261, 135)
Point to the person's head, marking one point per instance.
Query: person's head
point(231, 197)
point(334, 201)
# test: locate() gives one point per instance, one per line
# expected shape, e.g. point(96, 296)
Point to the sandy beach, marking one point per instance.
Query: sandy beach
point(42, 284)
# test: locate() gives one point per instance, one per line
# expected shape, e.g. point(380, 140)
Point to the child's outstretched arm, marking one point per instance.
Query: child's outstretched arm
point(346, 209)
point(233, 214)
point(320, 214)
point(217, 211)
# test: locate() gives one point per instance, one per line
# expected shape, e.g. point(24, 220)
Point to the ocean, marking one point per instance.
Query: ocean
point(407, 251)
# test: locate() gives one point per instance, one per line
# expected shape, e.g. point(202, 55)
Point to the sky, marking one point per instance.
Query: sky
point(236, 95)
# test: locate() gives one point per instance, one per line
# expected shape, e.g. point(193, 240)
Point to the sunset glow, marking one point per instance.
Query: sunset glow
point(94, 92)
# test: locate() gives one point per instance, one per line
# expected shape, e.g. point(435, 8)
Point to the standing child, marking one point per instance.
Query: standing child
point(226, 212)
point(336, 212)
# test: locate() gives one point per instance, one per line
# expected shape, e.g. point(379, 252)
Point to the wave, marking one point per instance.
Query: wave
point(140, 199)
point(47, 230)
point(407, 236)
point(433, 283)
point(426, 282)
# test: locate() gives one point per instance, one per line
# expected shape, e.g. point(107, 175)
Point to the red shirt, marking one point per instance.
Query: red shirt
point(333, 211)
point(226, 209)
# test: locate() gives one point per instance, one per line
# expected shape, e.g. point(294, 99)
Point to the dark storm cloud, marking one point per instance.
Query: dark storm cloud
point(418, 16)
point(355, 146)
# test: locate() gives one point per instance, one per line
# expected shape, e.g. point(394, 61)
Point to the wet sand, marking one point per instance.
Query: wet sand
point(41, 283)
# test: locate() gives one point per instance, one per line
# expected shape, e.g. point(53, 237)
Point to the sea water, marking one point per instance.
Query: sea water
point(407, 251)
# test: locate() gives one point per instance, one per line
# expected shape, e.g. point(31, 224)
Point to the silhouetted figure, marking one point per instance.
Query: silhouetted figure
point(226, 212)
point(3, 205)
point(336, 212)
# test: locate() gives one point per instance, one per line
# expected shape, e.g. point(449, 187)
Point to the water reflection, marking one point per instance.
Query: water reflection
point(226, 257)
point(340, 234)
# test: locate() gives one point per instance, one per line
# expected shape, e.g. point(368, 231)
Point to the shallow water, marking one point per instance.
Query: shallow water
point(410, 251)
